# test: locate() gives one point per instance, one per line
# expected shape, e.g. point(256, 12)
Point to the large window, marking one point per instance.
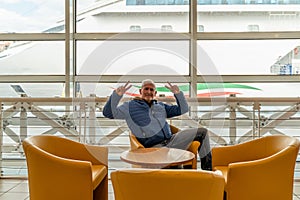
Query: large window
point(211, 49)
point(251, 41)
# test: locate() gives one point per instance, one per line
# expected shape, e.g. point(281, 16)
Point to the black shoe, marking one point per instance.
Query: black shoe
point(206, 162)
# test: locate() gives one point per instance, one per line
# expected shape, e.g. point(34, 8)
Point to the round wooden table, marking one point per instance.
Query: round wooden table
point(157, 157)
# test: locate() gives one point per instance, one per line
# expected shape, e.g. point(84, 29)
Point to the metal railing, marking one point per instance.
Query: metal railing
point(230, 120)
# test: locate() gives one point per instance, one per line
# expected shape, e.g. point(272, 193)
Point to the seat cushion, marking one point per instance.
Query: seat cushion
point(99, 172)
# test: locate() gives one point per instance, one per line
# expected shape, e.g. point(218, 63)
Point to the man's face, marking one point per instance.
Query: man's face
point(148, 92)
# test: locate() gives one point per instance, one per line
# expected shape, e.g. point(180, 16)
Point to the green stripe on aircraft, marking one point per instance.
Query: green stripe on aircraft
point(207, 86)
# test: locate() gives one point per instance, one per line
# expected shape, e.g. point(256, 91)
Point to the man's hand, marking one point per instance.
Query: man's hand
point(173, 88)
point(122, 89)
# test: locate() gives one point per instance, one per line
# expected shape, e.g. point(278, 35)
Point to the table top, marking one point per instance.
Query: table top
point(157, 157)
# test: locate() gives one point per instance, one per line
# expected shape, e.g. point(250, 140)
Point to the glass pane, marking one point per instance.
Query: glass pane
point(32, 89)
point(248, 89)
point(273, 90)
point(132, 58)
point(248, 15)
point(32, 57)
point(31, 16)
point(249, 57)
point(203, 89)
point(243, 2)
point(133, 16)
point(106, 89)
point(172, 15)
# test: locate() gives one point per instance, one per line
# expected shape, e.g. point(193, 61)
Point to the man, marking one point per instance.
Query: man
point(146, 118)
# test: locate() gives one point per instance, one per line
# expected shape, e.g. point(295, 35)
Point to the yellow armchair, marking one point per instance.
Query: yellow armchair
point(164, 184)
point(60, 169)
point(135, 144)
point(259, 169)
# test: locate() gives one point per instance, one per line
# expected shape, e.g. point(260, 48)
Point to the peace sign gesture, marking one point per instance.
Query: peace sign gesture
point(122, 89)
point(173, 88)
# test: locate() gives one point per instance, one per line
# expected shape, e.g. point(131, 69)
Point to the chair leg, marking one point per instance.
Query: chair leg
point(225, 196)
point(101, 192)
point(188, 166)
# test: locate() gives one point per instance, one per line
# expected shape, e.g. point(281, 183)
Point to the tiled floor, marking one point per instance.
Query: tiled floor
point(17, 188)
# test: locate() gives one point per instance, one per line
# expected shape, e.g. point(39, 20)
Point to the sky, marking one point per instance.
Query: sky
point(31, 15)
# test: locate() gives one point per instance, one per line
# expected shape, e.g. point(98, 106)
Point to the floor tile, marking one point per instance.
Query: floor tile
point(14, 196)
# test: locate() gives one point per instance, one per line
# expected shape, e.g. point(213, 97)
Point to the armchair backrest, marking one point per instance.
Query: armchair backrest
point(254, 149)
point(136, 184)
point(135, 144)
point(63, 147)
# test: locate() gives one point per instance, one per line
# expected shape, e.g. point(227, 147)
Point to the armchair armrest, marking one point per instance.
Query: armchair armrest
point(174, 129)
point(100, 153)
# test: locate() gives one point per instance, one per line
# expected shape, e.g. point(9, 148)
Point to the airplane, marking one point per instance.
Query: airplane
point(214, 89)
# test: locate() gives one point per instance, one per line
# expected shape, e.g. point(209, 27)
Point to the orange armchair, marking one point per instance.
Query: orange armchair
point(135, 144)
point(163, 184)
point(60, 169)
point(259, 169)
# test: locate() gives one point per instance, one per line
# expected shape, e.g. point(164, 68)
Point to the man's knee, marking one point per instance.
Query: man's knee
point(200, 135)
